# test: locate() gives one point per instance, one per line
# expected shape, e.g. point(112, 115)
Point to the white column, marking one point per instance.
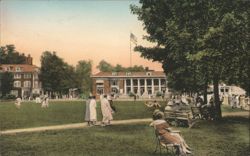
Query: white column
point(159, 84)
point(131, 84)
point(125, 87)
point(152, 85)
point(145, 86)
point(138, 85)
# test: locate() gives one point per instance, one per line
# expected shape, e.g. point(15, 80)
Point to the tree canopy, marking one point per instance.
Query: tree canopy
point(58, 76)
point(9, 55)
point(198, 42)
point(104, 66)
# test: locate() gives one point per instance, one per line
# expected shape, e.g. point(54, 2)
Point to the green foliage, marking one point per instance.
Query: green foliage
point(8, 55)
point(7, 80)
point(56, 75)
point(198, 42)
point(83, 73)
point(107, 67)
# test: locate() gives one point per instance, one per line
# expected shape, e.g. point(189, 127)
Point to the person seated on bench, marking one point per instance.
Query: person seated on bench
point(167, 135)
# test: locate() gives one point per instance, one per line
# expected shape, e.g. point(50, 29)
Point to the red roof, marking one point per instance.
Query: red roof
point(130, 74)
point(18, 68)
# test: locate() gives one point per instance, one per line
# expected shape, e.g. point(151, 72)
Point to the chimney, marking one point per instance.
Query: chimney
point(29, 60)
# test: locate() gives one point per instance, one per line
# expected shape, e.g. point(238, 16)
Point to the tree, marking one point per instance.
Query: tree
point(6, 82)
point(8, 55)
point(55, 74)
point(107, 67)
point(83, 73)
point(104, 66)
point(197, 41)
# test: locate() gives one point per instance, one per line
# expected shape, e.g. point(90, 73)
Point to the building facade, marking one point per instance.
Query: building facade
point(124, 83)
point(26, 80)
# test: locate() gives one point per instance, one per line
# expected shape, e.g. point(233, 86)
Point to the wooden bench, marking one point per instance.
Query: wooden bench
point(178, 118)
point(196, 113)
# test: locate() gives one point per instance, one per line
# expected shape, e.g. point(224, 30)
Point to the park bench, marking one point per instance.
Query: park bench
point(196, 113)
point(178, 118)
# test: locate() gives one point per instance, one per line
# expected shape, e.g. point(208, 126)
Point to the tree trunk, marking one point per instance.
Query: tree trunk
point(205, 91)
point(217, 98)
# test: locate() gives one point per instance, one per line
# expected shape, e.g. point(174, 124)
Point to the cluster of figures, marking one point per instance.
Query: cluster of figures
point(44, 101)
point(107, 110)
point(167, 136)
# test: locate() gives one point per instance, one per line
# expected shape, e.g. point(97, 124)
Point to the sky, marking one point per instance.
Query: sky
point(76, 29)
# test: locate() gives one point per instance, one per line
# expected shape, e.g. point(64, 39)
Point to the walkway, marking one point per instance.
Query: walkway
point(82, 125)
point(67, 126)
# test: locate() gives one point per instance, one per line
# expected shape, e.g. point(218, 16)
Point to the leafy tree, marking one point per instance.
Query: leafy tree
point(105, 66)
point(8, 55)
point(197, 41)
point(6, 82)
point(55, 74)
point(83, 73)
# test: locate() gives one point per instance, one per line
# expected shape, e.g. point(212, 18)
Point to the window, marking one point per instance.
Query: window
point(18, 69)
point(148, 73)
point(99, 90)
point(128, 83)
point(163, 82)
point(36, 76)
point(135, 82)
point(27, 76)
point(17, 76)
point(156, 82)
point(114, 83)
point(36, 84)
point(27, 84)
point(141, 82)
point(17, 83)
point(149, 82)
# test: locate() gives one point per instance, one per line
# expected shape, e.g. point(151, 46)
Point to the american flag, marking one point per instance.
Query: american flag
point(133, 38)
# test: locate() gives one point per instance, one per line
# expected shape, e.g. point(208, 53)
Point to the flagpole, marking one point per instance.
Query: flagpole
point(130, 52)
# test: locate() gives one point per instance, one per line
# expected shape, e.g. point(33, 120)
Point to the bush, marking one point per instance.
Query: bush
point(8, 97)
point(158, 94)
point(131, 94)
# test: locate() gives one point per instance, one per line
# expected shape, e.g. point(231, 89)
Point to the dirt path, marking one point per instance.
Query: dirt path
point(83, 125)
point(245, 114)
point(67, 126)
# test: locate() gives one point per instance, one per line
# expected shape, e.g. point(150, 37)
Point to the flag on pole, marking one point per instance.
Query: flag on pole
point(133, 38)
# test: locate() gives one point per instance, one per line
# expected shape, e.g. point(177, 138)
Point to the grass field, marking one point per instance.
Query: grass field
point(62, 112)
point(65, 112)
point(229, 137)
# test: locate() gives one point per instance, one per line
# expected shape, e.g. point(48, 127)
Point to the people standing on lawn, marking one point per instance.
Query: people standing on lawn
point(168, 136)
point(87, 111)
point(18, 102)
point(45, 101)
point(106, 111)
point(110, 99)
point(92, 111)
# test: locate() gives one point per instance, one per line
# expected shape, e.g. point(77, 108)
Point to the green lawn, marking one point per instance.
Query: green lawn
point(229, 137)
point(63, 112)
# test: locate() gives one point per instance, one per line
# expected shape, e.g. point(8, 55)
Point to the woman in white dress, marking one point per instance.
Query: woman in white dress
point(87, 111)
point(18, 102)
point(106, 111)
point(92, 110)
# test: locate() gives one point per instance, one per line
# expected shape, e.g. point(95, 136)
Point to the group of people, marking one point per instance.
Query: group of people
point(44, 101)
point(106, 109)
